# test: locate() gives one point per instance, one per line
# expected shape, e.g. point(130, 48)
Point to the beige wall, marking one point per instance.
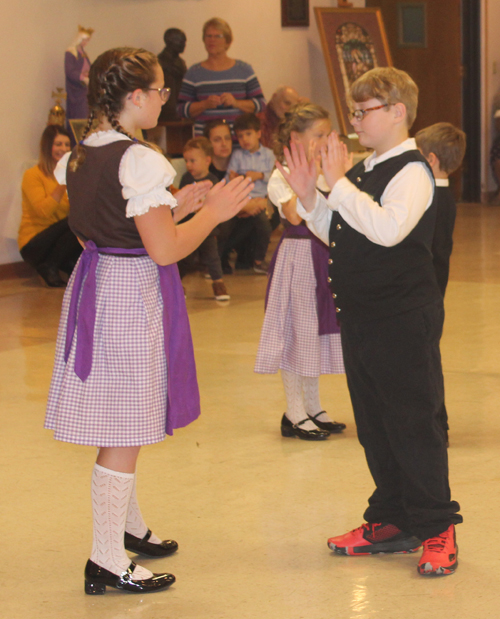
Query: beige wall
point(35, 35)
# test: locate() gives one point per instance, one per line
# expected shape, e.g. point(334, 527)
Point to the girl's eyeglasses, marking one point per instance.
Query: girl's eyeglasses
point(163, 92)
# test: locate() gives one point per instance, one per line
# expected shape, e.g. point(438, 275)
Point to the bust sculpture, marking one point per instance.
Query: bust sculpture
point(174, 69)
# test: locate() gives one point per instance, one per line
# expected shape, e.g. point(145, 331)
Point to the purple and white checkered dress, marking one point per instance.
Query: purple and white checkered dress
point(123, 401)
point(289, 339)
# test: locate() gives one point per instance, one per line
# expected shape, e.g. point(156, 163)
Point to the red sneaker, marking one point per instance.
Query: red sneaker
point(440, 554)
point(371, 539)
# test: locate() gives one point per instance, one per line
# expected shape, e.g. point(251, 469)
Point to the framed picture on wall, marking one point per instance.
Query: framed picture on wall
point(294, 13)
point(353, 42)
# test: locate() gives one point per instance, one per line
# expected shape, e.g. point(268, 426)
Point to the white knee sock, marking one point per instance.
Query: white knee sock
point(135, 524)
point(295, 410)
point(111, 492)
point(311, 399)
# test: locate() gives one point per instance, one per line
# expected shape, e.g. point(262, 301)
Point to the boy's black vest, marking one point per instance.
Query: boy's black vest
point(370, 281)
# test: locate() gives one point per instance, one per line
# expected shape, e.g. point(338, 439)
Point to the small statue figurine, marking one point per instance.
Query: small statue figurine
point(174, 69)
point(57, 115)
point(76, 68)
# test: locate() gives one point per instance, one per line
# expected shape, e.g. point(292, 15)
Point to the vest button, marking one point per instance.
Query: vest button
point(358, 180)
point(337, 309)
point(334, 295)
point(329, 280)
point(339, 227)
point(332, 244)
point(330, 261)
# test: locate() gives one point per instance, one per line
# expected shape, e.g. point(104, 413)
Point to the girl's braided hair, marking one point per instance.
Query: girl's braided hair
point(113, 75)
point(300, 118)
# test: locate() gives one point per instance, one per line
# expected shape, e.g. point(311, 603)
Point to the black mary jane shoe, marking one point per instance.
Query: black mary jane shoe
point(290, 429)
point(144, 547)
point(97, 579)
point(334, 427)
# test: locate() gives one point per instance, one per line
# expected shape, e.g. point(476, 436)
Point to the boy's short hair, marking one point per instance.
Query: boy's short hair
point(246, 122)
point(221, 122)
point(201, 144)
point(388, 85)
point(446, 141)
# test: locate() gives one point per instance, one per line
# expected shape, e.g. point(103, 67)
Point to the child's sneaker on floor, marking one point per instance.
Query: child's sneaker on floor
point(439, 557)
point(220, 292)
point(261, 267)
point(374, 538)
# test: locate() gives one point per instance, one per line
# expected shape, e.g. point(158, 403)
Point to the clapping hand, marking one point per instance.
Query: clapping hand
point(190, 199)
point(335, 159)
point(302, 174)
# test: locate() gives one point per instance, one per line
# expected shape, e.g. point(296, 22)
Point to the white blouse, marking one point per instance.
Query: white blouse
point(144, 174)
point(279, 191)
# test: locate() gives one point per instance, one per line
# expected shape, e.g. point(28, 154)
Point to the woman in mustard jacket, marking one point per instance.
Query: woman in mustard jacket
point(45, 240)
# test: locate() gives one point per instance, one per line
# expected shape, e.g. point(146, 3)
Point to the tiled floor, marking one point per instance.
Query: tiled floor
point(250, 510)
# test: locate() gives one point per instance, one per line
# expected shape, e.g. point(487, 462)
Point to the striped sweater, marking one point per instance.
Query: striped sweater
point(199, 83)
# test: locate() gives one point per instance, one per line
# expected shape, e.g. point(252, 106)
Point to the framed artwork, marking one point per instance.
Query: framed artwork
point(294, 13)
point(412, 22)
point(353, 42)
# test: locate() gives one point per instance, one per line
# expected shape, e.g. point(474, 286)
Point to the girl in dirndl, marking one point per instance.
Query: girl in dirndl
point(124, 373)
point(300, 336)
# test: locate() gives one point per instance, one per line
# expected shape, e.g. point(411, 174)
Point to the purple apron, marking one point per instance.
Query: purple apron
point(183, 398)
point(327, 315)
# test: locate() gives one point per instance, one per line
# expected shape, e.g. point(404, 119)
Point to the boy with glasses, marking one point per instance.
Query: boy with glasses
point(379, 223)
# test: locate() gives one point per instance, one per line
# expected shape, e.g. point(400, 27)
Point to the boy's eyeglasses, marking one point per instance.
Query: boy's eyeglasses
point(163, 92)
point(360, 114)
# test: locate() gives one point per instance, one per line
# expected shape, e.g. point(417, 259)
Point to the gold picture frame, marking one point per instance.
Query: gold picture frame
point(353, 42)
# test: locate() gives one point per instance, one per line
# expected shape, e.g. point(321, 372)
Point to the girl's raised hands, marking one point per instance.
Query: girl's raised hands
point(335, 159)
point(190, 198)
point(302, 174)
point(225, 200)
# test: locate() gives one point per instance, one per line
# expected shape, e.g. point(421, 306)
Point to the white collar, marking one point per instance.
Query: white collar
point(372, 160)
point(101, 138)
point(442, 182)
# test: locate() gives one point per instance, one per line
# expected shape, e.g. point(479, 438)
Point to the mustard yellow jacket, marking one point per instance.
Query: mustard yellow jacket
point(40, 210)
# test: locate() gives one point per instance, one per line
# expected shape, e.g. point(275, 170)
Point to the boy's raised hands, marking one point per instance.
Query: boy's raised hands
point(335, 159)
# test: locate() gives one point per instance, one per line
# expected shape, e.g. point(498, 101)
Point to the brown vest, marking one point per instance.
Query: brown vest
point(97, 207)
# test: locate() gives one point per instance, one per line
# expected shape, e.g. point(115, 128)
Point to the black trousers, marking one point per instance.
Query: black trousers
point(206, 255)
point(255, 229)
point(55, 246)
point(395, 380)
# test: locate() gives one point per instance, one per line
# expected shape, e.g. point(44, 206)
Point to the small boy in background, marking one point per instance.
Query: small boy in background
point(443, 145)
point(257, 162)
point(198, 157)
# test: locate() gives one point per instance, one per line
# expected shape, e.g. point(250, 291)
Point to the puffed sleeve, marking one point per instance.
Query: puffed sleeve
point(61, 167)
point(145, 175)
point(279, 190)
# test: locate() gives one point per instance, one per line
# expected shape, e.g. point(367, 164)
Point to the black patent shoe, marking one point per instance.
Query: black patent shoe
point(144, 547)
point(97, 579)
point(334, 427)
point(293, 430)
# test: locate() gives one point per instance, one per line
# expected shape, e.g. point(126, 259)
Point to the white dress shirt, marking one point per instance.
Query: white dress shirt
point(405, 199)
